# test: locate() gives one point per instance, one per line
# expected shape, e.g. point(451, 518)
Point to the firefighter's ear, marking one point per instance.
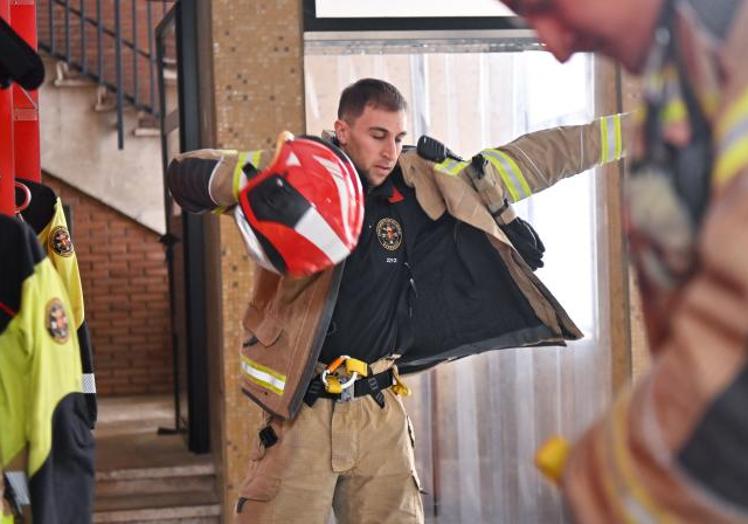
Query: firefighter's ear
point(342, 130)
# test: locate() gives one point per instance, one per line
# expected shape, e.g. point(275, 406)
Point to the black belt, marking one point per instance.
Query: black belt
point(372, 385)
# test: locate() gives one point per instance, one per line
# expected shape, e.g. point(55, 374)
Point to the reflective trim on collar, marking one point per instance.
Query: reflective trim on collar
point(451, 166)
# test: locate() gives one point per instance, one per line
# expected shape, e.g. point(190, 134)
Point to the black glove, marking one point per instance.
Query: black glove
point(526, 240)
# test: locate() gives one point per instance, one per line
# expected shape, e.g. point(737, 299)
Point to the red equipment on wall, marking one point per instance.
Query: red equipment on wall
point(19, 113)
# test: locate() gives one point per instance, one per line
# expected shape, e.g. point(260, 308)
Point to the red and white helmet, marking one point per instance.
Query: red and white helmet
point(304, 212)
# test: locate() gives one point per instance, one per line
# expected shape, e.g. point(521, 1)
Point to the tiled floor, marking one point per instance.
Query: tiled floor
point(127, 435)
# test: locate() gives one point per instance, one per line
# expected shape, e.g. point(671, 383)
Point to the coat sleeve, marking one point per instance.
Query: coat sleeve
point(674, 448)
point(538, 160)
point(211, 179)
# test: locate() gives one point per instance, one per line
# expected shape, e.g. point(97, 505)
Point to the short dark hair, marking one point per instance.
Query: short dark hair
point(369, 91)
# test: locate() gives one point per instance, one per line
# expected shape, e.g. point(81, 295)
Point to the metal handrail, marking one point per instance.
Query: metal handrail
point(106, 39)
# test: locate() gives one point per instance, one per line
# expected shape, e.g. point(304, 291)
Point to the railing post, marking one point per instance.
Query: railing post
point(51, 15)
point(151, 59)
point(67, 31)
point(135, 53)
point(118, 62)
point(99, 36)
point(83, 36)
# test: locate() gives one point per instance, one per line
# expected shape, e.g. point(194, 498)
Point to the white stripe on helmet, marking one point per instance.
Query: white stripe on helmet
point(342, 183)
point(317, 231)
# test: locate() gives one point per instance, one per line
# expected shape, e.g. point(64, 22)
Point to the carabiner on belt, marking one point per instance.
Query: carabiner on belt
point(340, 383)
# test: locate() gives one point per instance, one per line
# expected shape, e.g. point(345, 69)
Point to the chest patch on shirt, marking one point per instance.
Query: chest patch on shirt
point(57, 321)
point(389, 233)
point(59, 241)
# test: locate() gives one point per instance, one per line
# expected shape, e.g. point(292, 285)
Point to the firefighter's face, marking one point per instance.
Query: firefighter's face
point(621, 29)
point(374, 141)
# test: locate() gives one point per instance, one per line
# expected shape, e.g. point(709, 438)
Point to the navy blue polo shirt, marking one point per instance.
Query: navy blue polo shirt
point(372, 314)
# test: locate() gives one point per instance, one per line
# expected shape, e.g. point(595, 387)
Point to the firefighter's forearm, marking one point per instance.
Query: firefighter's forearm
point(206, 180)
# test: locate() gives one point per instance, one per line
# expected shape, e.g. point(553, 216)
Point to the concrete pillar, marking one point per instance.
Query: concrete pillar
point(257, 86)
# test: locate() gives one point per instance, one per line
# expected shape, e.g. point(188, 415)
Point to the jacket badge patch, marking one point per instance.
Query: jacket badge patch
point(57, 321)
point(59, 241)
point(389, 233)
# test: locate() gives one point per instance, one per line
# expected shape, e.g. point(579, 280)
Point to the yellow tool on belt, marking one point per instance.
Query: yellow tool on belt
point(399, 388)
point(354, 368)
point(331, 376)
point(551, 458)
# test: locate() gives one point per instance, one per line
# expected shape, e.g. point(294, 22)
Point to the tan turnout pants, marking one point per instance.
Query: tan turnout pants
point(353, 457)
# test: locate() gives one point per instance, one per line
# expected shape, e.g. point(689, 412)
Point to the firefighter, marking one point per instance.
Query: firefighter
point(46, 446)
point(433, 277)
point(674, 447)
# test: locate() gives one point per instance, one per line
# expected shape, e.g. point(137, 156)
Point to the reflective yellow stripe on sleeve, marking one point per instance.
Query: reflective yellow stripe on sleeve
point(238, 172)
point(674, 112)
point(732, 137)
point(263, 376)
point(255, 157)
point(510, 173)
point(611, 139)
point(451, 167)
point(636, 503)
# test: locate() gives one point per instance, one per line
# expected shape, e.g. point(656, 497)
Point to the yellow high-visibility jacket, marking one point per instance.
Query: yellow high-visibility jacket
point(46, 446)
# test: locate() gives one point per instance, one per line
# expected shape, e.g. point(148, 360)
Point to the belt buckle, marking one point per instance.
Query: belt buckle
point(347, 394)
point(339, 383)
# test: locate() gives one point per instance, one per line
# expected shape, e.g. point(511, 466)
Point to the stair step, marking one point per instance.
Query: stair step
point(156, 506)
point(155, 485)
point(195, 470)
point(160, 520)
point(185, 514)
point(186, 520)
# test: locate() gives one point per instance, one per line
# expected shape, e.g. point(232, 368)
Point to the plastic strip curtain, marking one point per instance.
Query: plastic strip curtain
point(479, 421)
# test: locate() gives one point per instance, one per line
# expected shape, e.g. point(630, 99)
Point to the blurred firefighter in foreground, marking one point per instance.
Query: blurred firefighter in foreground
point(675, 447)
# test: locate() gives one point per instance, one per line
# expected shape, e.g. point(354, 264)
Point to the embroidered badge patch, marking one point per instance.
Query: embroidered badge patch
point(389, 233)
point(57, 321)
point(59, 241)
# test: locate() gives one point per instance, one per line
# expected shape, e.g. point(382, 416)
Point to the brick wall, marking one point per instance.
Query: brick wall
point(126, 292)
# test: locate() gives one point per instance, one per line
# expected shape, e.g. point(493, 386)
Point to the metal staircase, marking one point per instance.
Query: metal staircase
point(110, 43)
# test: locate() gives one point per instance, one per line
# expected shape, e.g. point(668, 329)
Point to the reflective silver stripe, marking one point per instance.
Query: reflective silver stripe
point(263, 376)
point(638, 512)
point(251, 241)
point(736, 134)
point(88, 383)
point(611, 146)
point(19, 485)
point(212, 176)
point(512, 179)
